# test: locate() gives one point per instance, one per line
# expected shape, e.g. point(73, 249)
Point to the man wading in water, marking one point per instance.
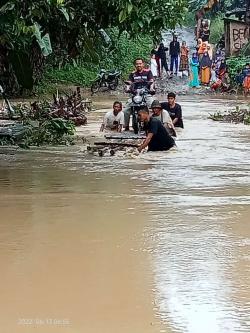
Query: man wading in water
point(174, 110)
point(113, 120)
point(163, 116)
point(157, 136)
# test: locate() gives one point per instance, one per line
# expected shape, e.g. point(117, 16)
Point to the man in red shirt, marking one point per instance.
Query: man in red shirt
point(140, 78)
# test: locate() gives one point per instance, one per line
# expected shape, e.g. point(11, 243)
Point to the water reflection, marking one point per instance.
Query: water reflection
point(196, 270)
point(200, 221)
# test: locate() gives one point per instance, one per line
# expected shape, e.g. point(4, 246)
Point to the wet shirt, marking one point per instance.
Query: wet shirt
point(174, 112)
point(161, 140)
point(141, 79)
point(111, 121)
point(164, 117)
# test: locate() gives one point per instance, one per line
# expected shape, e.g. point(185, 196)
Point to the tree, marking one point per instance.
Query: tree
point(31, 30)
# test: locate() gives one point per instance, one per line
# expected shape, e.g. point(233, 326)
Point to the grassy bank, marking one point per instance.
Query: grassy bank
point(55, 78)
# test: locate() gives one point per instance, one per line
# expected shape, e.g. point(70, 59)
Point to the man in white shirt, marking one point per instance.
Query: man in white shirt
point(159, 113)
point(113, 120)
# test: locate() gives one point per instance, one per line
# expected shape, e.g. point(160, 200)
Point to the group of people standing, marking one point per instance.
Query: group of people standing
point(206, 67)
point(178, 58)
point(210, 69)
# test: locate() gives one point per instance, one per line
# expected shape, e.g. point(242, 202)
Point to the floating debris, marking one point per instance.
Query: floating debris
point(237, 116)
point(71, 107)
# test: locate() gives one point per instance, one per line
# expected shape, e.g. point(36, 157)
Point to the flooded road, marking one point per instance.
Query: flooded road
point(155, 243)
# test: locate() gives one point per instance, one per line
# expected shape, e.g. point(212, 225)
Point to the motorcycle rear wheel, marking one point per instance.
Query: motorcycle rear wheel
point(114, 84)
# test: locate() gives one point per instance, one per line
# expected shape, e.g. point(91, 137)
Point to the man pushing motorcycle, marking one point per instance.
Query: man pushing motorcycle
point(141, 78)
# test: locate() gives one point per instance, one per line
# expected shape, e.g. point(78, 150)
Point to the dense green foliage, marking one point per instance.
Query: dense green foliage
point(32, 30)
point(48, 132)
point(216, 29)
point(236, 64)
point(119, 54)
point(42, 132)
point(189, 19)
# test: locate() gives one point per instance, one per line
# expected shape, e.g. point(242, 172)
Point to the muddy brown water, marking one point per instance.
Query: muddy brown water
point(155, 243)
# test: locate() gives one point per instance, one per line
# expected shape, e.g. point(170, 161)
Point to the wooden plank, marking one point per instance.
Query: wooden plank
point(124, 137)
point(116, 144)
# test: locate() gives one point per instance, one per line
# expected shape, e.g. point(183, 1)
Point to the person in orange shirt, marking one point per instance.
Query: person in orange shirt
point(202, 48)
point(199, 42)
point(184, 66)
point(246, 84)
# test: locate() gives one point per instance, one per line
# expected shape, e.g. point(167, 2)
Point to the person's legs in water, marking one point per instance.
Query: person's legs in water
point(127, 113)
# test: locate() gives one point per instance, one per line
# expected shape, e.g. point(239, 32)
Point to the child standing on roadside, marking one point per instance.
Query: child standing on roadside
point(153, 66)
point(213, 78)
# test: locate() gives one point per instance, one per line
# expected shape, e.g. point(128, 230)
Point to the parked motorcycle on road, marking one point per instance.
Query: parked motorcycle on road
point(106, 79)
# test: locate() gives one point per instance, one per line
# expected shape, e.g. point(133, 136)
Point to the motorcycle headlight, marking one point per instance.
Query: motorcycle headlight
point(137, 99)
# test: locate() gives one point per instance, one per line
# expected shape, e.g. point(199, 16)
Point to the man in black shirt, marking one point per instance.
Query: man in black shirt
point(174, 110)
point(157, 136)
point(162, 55)
point(174, 51)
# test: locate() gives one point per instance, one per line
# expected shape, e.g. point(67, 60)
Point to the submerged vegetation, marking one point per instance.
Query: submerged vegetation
point(44, 122)
point(236, 116)
point(45, 132)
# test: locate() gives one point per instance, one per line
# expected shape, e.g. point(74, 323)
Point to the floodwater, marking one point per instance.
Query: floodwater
point(155, 243)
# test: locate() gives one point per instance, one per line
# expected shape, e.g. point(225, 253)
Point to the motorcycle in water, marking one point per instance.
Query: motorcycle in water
point(106, 79)
point(138, 103)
